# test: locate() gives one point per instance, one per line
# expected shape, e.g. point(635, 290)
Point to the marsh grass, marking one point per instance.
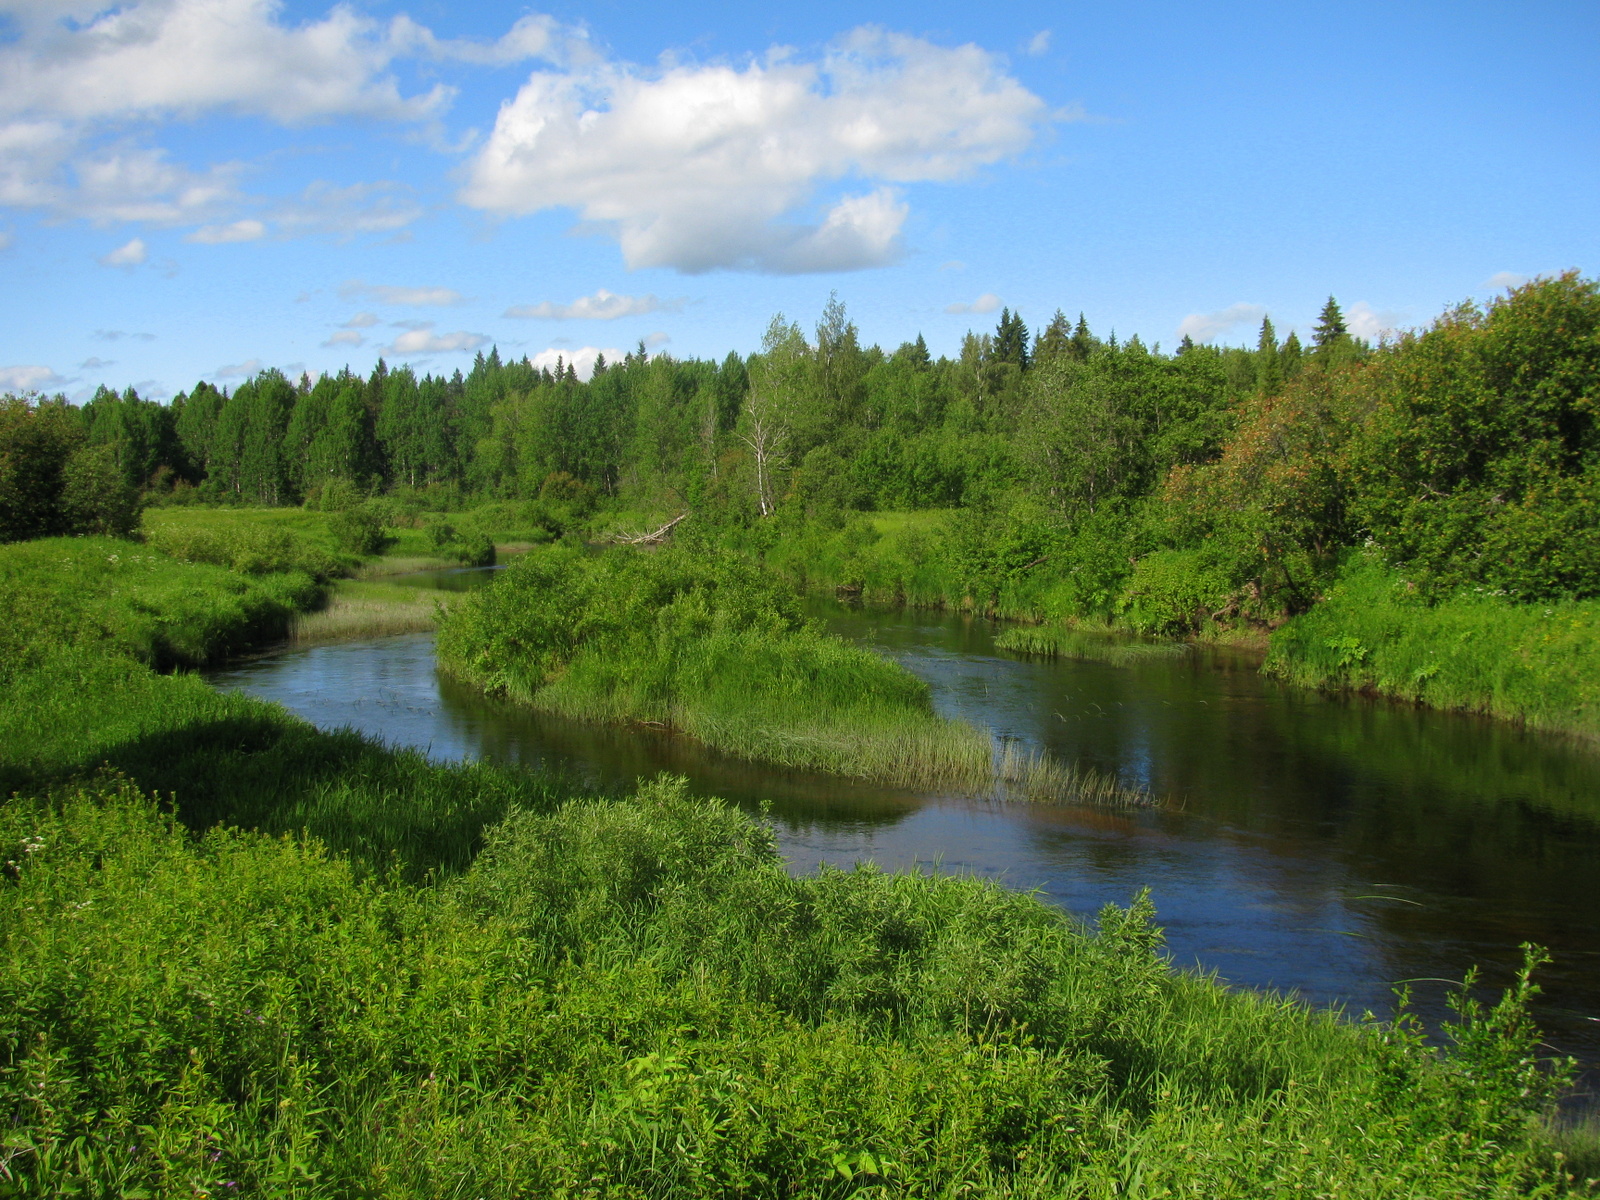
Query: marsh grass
point(1055, 641)
point(1538, 664)
point(362, 609)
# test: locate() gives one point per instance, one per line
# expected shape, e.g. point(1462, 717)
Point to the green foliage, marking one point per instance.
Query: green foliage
point(1480, 463)
point(108, 596)
point(1474, 651)
point(53, 481)
point(1174, 592)
point(358, 530)
point(631, 998)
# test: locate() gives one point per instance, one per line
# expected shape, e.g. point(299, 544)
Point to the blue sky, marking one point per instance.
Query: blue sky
point(198, 188)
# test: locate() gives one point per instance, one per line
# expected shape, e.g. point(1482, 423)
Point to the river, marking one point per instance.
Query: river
point(1329, 846)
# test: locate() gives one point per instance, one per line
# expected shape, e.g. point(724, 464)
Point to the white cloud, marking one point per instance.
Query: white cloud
point(1363, 321)
point(74, 75)
point(654, 341)
point(703, 167)
point(985, 303)
point(28, 379)
point(383, 294)
point(95, 363)
point(246, 230)
point(345, 337)
point(382, 207)
point(1502, 280)
point(130, 254)
point(1039, 43)
point(602, 306)
point(582, 359)
point(238, 370)
point(362, 320)
point(424, 341)
point(1204, 327)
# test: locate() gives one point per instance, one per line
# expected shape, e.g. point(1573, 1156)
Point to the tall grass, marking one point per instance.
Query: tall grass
point(124, 598)
point(1475, 652)
point(633, 999)
point(363, 609)
point(1056, 641)
point(716, 649)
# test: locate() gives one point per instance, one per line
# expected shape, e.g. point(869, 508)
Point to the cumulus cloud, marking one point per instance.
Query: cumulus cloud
point(1204, 327)
point(28, 379)
point(1039, 43)
point(384, 294)
point(985, 303)
point(602, 306)
point(130, 254)
point(1368, 323)
point(422, 340)
point(238, 370)
point(1502, 280)
point(74, 74)
point(345, 337)
point(246, 230)
point(582, 359)
point(702, 167)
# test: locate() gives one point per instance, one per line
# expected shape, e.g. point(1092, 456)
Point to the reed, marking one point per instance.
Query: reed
point(359, 609)
point(1056, 641)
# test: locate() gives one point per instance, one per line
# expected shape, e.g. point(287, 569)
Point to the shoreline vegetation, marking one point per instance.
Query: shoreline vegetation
point(714, 648)
point(242, 956)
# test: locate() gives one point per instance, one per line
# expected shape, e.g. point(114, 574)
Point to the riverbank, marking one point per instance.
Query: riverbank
point(1535, 664)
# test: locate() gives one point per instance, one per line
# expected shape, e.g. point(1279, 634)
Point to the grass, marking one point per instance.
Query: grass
point(715, 648)
point(240, 956)
point(367, 609)
point(1054, 641)
point(1538, 664)
point(124, 598)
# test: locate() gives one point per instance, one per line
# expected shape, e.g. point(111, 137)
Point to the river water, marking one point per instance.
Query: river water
point(1329, 846)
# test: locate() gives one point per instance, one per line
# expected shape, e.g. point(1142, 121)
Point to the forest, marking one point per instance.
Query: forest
point(1076, 476)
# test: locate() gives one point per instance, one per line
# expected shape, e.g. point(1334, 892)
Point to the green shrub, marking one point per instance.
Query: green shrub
point(358, 530)
point(1173, 592)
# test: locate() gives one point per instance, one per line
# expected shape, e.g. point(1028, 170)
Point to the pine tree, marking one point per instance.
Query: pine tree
point(1083, 342)
point(1331, 328)
point(1011, 340)
point(1269, 372)
point(1289, 357)
point(1055, 340)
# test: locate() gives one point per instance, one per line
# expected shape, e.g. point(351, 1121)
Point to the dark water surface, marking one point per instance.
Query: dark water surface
point(1329, 846)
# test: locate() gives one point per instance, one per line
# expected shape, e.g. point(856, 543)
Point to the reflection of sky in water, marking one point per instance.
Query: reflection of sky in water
point(1325, 846)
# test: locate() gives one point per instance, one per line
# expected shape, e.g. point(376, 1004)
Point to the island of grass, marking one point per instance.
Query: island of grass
point(716, 649)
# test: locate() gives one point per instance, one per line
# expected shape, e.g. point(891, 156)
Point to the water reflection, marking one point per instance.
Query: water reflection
point(1328, 846)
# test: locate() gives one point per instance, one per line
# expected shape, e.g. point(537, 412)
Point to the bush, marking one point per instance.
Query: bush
point(1173, 592)
point(358, 530)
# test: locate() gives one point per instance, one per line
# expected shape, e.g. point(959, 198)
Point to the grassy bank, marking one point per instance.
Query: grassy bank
point(128, 599)
point(1088, 645)
point(716, 649)
point(1475, 652)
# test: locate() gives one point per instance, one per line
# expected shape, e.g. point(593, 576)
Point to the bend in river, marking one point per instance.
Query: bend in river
point(1332, 846)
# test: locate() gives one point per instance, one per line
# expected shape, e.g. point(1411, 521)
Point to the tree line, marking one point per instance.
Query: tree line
point(1468, 449)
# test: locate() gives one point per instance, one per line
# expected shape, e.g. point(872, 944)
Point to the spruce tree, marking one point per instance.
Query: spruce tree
point(1331, 328)
point(1269, 371)
point(1083, 341)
